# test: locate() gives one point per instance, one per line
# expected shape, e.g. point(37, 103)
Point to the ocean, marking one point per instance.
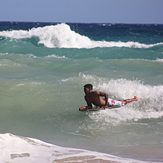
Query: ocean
point(43, 68)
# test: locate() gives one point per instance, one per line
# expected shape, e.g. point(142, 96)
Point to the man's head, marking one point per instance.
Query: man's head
point(88, 88)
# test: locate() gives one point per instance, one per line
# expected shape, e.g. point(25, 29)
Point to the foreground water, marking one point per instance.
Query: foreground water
point(43, 68)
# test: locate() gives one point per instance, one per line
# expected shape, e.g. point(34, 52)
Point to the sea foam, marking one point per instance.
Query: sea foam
point(16, 149)
point(159, 60)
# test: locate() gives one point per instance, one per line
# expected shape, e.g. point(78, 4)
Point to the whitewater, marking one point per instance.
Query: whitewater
point(43, 68)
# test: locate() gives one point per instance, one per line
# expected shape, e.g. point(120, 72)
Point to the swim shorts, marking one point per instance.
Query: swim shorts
point(112, 102)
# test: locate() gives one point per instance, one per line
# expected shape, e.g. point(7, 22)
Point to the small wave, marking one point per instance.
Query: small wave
point(23, 149)
point(61, 36)
point(31, 56)
point(151, 105)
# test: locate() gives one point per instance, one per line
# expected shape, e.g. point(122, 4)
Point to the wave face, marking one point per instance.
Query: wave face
point(43, 67)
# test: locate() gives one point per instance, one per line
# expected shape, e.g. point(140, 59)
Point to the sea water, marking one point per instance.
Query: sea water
point(43, 67)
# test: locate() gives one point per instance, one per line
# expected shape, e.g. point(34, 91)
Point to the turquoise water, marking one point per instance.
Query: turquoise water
point(43, 68)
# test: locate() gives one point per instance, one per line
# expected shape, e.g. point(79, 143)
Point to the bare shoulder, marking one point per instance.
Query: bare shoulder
point(100, 93)
point(97, 92)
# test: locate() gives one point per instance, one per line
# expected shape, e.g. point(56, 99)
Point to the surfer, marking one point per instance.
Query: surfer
point(101, 99)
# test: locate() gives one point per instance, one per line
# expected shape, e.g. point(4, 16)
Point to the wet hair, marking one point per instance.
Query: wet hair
point(89, 86)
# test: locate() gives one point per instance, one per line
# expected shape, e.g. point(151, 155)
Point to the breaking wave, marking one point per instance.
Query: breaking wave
point(61, 36)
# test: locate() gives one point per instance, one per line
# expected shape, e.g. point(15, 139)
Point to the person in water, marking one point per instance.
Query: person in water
point(101, 99)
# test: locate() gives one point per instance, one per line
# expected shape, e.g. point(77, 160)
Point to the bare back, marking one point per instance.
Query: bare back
point(96, 99)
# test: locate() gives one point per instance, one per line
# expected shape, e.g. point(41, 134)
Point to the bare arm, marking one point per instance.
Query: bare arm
point(89, 105)
point(105, 95)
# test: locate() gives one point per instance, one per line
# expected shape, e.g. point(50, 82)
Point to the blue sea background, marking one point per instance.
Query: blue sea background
point(43, 67)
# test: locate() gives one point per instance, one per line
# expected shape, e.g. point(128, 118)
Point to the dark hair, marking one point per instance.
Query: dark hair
point(89, 86)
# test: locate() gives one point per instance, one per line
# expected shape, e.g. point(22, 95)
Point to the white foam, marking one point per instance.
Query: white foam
point(123, 88)
point(55, 56)
point(159, 60)
point(61, 36)
point(130, 113)
point(16, 149)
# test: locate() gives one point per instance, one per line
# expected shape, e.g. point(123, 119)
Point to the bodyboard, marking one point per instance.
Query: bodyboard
point(98, 108)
